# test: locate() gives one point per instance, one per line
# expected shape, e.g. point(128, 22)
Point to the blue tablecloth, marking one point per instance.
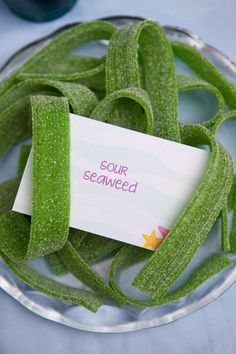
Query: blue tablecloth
point(208, 331)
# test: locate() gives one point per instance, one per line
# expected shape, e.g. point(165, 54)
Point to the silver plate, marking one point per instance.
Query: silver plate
point(110, 318)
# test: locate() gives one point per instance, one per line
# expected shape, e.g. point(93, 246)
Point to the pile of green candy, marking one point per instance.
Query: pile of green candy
point(134, 86)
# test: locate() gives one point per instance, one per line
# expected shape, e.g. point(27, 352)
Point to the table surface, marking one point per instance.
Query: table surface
point(210, 330)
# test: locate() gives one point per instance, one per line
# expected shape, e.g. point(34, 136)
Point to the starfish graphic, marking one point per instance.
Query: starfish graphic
point(152, 240)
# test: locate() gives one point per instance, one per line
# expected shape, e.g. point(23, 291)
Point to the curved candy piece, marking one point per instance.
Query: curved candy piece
point(55, 57)
point(8, 192)
point(129, 255)
point(139, 115)
point(228, 237)
point(232, 195)
point(93, 247)
point(185, 237)
point(225, 236)
point(31, 277)
point(51, 186)
point(55, 61)
point(77, 266)
point(53, 288)
point(186, 83)
point(14, 124)
point(15, 120)
point(8, 189)
point(141, 56)
point(56, 264)
point(206, 70)
point(90, 248)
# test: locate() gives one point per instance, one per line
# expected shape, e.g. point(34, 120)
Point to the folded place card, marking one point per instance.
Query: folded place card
point(125, 185)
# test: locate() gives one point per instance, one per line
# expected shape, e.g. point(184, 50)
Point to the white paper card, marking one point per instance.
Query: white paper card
point(125, 185)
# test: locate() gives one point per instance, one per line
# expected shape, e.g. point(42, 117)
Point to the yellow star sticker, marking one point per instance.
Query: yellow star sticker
point(152, 240)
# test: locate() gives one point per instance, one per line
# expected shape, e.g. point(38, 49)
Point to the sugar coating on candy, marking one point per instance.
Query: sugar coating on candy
point(18, 228)
point(126, 257)
point(76, 265)
point(53, 288)
point(141, 56)
point(188, 83)
point(232, 195)
point(233, 229)
point(129, 255)
point(14, 236)
point(56, 57)
point(128, 107)
point(51, 175)
point(81, 98)
point(8, 192)
point(56, 264)
point(206, 70)
point(225, 238)
point(15, 121)
point(54, 60)
point(94, 247)
point(228, 238)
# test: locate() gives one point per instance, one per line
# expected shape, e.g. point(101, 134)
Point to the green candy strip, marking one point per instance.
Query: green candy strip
point(54, 61)
point(14, 124)
point(53, 288)
point(93, 247)
point(70, 259)
point(50, 61)
point(15, 120)
point(51, 167)
point(225, 236)
point(56, 265)
point(50, 204)
point(186, 83)
point(130, 255)
point(221, 119)
point(81, 99)
point(24, 154)
point(206, 70)
point(211, 267)
point(8, 189)
point(232, 194)
point(233, 229)
point(127, 256)
point(231, 203)
point(39, 281)
point(77, 266)
point(185, 237)
point(138, 101)
point(8, 192)
point(133, 61)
